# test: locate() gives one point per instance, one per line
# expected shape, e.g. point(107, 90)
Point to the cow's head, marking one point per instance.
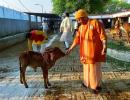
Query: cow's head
point(55, 53)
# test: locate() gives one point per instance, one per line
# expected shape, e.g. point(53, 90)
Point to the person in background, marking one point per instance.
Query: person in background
point(100, 20)
point(28, 36)
point(92, 40)
point(36, 39)
point(45, 27)
point(118, 22)
point(66, 30)
point(118, 26)
point(76, 27)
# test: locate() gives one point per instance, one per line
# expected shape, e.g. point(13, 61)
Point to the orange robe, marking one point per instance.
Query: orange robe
point(90, 37)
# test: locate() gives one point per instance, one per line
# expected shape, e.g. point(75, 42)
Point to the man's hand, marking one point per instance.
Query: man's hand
point(104, 51)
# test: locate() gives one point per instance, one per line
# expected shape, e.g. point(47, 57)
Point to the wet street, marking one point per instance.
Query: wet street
point(65, 78)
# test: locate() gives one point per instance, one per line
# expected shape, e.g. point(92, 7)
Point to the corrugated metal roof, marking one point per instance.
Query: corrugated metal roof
point(119, 14)
point(46, 15)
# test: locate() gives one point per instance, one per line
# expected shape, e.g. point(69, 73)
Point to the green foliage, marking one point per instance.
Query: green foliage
point(116, 6)
point(59, 6)
point(118, 65)
point(97, 6)
point(118, 45)
point(92, 6)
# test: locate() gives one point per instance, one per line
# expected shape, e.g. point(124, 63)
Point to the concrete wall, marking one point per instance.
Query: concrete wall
point(11, 27)
point(11, 40)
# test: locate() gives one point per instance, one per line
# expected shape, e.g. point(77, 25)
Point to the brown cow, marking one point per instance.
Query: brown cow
point(44, 60)
point(126, 29)
point(123, 27)
point(114, 32)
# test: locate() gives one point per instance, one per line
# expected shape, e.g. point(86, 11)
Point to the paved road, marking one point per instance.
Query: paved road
point(65, 77)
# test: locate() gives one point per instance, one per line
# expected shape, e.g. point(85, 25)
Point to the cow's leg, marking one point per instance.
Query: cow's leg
point(48, 83)
point(128, 36)
point(120, 35)
point(21, 78)
point(45, 74)
point(35, 69)
point(23, 75)
point(20, 69)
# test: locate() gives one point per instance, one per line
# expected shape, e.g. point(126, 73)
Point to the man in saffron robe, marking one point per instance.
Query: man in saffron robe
point(92, 40)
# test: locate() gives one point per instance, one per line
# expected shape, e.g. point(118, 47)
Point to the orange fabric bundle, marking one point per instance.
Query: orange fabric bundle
point(37, 36)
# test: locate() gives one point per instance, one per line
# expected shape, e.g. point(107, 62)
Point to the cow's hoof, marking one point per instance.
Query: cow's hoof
point(26, 86)
point(46, 87)
point(21, 82)
point(35, 69)
point(49, 84)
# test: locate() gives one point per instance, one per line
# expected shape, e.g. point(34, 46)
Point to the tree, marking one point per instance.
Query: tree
point(97, 6)
point(58, 6)
point(92, 6)
point(116, 6)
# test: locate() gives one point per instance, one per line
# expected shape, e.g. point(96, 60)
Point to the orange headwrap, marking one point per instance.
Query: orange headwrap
point(81, 13)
